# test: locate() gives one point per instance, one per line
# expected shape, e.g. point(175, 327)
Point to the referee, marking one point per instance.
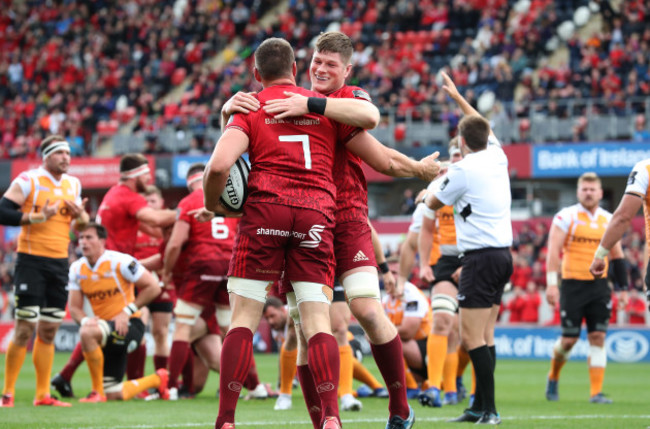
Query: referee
point(479, 189)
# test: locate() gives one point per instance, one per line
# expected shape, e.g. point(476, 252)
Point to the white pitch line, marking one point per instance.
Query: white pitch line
point(382, 420)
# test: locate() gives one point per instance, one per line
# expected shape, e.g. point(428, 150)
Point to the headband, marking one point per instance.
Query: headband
point(194, 178)
point(135, 172)
point(55, 147)
point(454, 151)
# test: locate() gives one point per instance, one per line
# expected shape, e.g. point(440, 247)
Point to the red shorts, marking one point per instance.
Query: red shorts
point(353, 246)
point(210, 318)
point(205, 282)
point(272, 238)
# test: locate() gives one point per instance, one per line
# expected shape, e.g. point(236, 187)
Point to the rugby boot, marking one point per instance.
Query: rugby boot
point(283, 402)
point(163, 390)
point(7, 401)
point(331, 423)
point(396, 422)
point(62, 386)
point(599, 398)
point(451, 398)
point(350, 403)
point(93, 398)
point(551, 390)
point(50, 401)
point(430, 397)
point(489, 419)
point(468, 416)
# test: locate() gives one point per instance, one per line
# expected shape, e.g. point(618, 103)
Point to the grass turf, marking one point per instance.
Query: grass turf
point(520, 400)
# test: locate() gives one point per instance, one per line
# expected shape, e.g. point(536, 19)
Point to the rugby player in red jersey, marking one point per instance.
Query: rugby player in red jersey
point(207, 247)
point(123, 210)
point(356, 265)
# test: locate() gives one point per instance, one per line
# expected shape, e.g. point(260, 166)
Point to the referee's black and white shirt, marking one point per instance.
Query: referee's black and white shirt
point(478, 187)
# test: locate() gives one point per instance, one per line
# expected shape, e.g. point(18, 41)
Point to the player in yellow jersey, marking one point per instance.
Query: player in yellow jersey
point(637, 195)
point(107, 278)
point(45, 202)
point(575, 233)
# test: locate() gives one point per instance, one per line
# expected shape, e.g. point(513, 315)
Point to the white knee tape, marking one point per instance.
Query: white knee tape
point(185, 313)
point(312, 292)
point(52, 314)
point(441, 303)
point(224, 315)
point(361, 284)
point(248, 288)
point(105, 328)
point(29, 314)
point(557, 348)
point(111, 385)
point(597, 356)
point(293, 307)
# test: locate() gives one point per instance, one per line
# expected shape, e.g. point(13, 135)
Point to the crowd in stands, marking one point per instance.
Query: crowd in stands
point(86, 68)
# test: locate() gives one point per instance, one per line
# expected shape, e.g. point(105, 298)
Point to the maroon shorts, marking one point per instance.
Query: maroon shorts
point(273, 238)
point(205, 282)
point(353, 246)
point(210, 318)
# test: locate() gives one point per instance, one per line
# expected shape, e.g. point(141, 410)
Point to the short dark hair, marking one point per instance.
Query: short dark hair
point(274, 59)
point(47, 141)
point(475, 130)
point(272, 301)
point(337, 43)
point(130, 161)
point(99, 228)
point(197, 167)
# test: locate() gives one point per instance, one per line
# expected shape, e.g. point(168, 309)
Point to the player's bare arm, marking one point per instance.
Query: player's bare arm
point(232, 144)
point(180, 235)
point(450, 88)
point(627, 209)
point(407, 254)
point(432, 201)
point(241, 102)
point(152, 263)
point(391, 162)
point(75, 304)
point(556, 239)
point(349, 111)
point(387, 275)
point(148, 289)
point(425, 242)
point(156, 218)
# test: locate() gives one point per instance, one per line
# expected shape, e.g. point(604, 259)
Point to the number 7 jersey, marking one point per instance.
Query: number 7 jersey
point(207, 241)
point(292, 158)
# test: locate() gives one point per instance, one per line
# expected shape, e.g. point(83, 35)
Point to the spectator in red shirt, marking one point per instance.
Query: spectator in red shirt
point(635, 308)
point(522, 272)
point(531, 301)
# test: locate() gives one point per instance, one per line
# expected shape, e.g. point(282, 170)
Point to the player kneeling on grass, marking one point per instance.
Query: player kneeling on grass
point(107, 278)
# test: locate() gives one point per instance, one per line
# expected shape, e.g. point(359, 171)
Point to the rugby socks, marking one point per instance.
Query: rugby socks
point(188, 372)
point(287, 369)
point(43, 358)
point(135, 363)
point(449, 372)
point(323, 358)
point(76, 358)
point(252, 379)
point(177, 358)
point(410, 380)
point(309, 393)
point(493, 352)
point(556, 367)
point(362, 374)
point(346, 370)
point(484, 368)
point(436, 353)
point(236, 359)
point(387, 357)
point(13, 362)
point(463, 360)
point(130, 388)
point(95, 361)
point(160, 362)
point(596, 378)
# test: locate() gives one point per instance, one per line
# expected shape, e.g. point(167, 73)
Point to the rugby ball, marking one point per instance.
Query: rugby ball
point(235, 193)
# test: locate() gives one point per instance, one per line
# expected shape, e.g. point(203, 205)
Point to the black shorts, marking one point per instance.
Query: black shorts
point(485, 273)
point(444, 268)
point(118, 347)
point(161, 306)
point(422, 372)
point(588, 299)
point(41, 281)
point(339, 292)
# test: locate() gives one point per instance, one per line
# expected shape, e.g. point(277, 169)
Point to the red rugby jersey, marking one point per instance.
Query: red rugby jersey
point(207, 241)
point(351, 188)
point(291, 159)
point(117, 213)
point(146, 245)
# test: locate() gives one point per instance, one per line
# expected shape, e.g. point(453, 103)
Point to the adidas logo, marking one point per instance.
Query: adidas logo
point(360, 256)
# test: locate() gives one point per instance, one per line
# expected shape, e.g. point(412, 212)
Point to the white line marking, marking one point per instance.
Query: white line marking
point(382, 420)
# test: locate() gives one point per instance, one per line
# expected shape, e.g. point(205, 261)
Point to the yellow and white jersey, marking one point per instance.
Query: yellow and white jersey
point(412, 304)
point(584, 232)
point(639, 183)
point(108, 284)
point(50, 238)
point(445, 234)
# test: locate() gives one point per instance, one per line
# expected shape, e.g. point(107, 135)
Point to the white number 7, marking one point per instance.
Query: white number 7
point(304, 139)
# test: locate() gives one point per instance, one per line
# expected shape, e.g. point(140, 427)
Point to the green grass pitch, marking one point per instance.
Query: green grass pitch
point(520, 400)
